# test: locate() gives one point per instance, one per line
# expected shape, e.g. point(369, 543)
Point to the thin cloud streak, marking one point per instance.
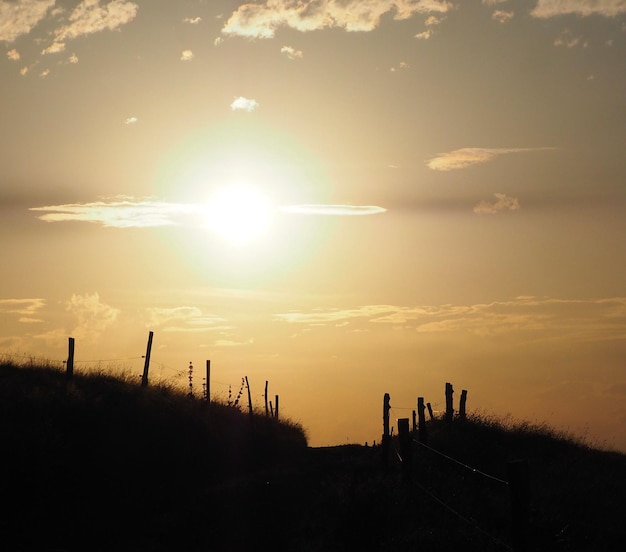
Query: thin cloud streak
point(600, 319)
point(466, 157)
point(334, 210)
point(553, 8)
point(130, 213)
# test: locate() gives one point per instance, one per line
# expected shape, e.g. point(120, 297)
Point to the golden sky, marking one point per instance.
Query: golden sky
point(345, 198)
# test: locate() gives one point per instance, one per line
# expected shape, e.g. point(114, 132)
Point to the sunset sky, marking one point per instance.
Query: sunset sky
point(345, 198)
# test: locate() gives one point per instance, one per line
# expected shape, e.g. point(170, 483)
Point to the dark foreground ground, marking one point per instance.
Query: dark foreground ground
point(102, 466)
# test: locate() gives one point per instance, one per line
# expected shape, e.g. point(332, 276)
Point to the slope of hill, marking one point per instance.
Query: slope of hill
point(103, 464)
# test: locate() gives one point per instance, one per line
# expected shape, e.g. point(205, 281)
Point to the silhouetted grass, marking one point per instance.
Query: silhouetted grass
point(103, 464)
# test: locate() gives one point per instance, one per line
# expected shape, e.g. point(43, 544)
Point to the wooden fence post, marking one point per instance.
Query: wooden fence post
point(276, 407)
point(423, 433)
point(430, 412)
point(462, 414)
point(208, 381)
point(249, 398)
point(405, 447)
point(146, 364)
point(386, 437)
point(520, 504)
point(69, 365)
point(449, 406)
point(414, 428)
point(267, 410)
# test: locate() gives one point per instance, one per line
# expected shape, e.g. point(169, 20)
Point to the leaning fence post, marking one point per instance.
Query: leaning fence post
point(69, 366)
point(430, 412)
point(462, 404)
point(449, 407)
point(276, 407)
point(146, 364)
point(249, 398)
point(520, 504)
point(423, 434)
point(267, 410)
point(386, 437)
point(405, 447)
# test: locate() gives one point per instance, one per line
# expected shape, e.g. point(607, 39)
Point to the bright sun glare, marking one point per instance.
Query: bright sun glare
point(239, 214)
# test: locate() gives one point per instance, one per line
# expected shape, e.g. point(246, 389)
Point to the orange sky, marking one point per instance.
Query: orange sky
point(343, 198)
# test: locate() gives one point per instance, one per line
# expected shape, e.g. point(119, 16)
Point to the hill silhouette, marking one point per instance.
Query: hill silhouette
point(101, 463)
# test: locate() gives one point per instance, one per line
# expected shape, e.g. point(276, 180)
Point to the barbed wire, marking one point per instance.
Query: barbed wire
point(466, 466)
point(434, 497)
point(451, 509)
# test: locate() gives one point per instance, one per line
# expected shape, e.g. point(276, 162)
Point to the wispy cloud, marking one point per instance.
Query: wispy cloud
point(466, 157)
point(131, 121)
point(600, 319)
point(192, 20)
point(93, 16)
point(13, 55)
point(124, 212)
point(93, 315)
point(119, 214)
point(501, 203)
point(262, 20)
point(19, 17)
point(27, 308)
point(337, 210)
point(291, 53)
point(184, 319)
point(553, 8)
point(244, 104)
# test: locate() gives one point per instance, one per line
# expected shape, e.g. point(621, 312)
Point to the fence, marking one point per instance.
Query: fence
point(271, 409)
point(517, 482)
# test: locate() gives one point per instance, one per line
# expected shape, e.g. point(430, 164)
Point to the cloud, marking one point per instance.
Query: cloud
point(93, 315)
point(425, 35)
point(541, 318)
point(187, 55)
point(73, 58)
point(192, 20)
point(244, 104)
point(124, 212)
point(13, 55)
point(54, 48)
point(19, 17)
point(44, 73)
point(92, 16)
point(263, 19)
point(184, 319)
point(119, 214)
point(28, 308)
point(336, 210)
point(553, 8)
point(568, 40)
point(501, 203)
point(466, 157)
point(291, 53)
point(131, 121)
point(502, 16)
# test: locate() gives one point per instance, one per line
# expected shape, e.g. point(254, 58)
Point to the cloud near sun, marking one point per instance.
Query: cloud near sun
point(131, 213)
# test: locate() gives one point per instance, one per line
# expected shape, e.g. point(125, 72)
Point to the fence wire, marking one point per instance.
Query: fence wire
point(467, 467)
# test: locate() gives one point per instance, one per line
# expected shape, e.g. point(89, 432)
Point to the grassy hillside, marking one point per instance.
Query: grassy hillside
point(103, 464)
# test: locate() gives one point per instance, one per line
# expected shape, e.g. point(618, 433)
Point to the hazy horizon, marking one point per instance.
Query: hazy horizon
point(344, 198)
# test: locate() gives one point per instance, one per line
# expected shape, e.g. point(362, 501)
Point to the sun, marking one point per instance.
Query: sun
point(239, 214)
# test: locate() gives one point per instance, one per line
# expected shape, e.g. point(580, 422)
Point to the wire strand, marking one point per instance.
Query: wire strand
point(470, 468)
